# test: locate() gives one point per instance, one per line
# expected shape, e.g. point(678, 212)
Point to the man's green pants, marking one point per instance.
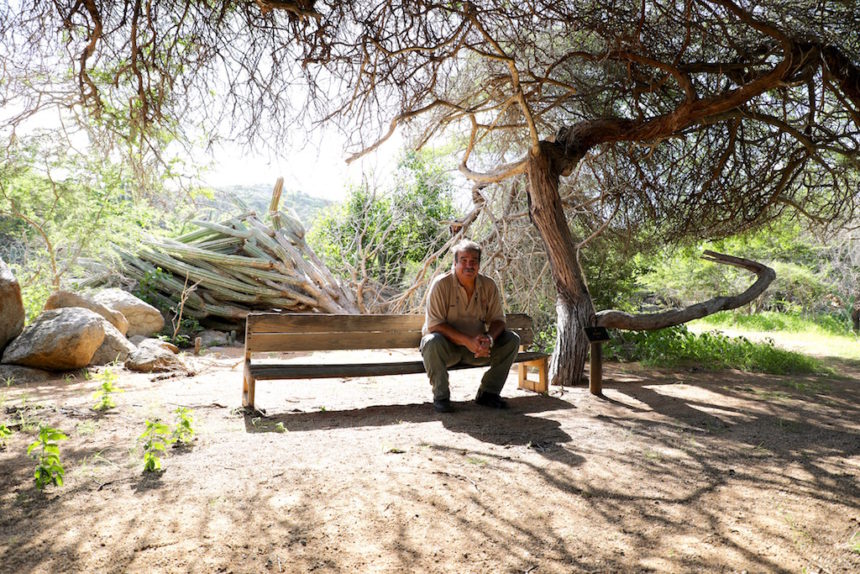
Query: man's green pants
point(439, 354)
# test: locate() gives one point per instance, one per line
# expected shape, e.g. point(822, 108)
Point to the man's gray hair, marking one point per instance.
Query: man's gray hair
point(466, 245)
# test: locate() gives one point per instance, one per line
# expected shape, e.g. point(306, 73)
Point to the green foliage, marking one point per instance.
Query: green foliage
point(58, 205)
point(5, 433)
point(183, 433)
point(678, 276)
point(381, 234)
point(49, 469)
point(104, 396)
point(155, 439)
point(779, 321)
point(678, 346)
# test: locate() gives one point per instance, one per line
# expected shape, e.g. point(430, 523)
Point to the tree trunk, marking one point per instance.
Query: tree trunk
point(573, 306)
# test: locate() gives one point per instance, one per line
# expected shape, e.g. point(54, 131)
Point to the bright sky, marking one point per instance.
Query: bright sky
point(318, 170)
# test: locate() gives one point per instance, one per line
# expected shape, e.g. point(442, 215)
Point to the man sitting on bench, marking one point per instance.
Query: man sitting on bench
point(464, 322)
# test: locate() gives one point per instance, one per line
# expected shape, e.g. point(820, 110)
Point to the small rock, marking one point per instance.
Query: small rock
point(210, 338)
point(152, 356)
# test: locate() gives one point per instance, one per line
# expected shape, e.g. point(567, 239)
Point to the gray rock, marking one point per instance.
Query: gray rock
point(58, 340)
point(18, 374)
point(11, 306)
point(62, 299)
point(210, 338)
point(143, 318)
point(115, 347)
point(136, 340)
point(154, 356)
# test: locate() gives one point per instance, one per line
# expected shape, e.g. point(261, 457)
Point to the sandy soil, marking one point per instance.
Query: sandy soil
point(671, 471)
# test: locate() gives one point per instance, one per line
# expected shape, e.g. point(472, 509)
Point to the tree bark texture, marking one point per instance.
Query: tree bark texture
point(573, 306)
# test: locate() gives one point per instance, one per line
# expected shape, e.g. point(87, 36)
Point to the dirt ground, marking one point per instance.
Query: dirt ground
point(671, 471)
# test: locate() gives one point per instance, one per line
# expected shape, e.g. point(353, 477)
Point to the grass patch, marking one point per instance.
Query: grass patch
point(678, 346)
point(784, 322)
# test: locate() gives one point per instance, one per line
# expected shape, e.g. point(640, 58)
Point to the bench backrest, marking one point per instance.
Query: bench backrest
point(269, 332)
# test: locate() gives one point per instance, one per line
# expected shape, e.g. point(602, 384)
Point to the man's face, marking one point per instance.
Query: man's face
point(466, 265)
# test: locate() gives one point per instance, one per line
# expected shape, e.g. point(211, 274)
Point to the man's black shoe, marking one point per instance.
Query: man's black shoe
point(443, 406)
point(491, 400)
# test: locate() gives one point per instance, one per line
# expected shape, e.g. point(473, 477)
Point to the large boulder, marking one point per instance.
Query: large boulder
point(63, 299)
point(11, 306)
point(143, 318)
point(115, 347)
point(154, 356)
point(58, 340)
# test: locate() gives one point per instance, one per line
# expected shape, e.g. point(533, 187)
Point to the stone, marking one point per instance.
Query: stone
point(58, 340)
point(115, 347)
point(136, 340)
point(12, 314)
point(18, 374)
point(210, 338)
point(143, 318)
point(62, 299)
point(154, 356)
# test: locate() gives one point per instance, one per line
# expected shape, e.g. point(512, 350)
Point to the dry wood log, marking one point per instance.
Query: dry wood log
point(613, 319)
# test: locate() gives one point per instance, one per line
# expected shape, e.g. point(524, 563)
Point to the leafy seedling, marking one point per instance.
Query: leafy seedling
point(49, 469)
point(5, 433)
point(104, 395)
point(155, 439)
point(183, 434)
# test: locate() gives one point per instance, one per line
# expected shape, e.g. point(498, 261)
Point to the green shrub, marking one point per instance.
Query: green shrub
point(678, 346)
point(5, 433)
point(155, 439)
point(104, 395)
point(49, 469)
point(183, 434)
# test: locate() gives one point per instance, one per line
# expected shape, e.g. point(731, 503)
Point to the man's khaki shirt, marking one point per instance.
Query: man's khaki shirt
point(447, 302)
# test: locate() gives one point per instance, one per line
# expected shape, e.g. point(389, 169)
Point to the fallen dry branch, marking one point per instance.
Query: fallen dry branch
point(613, 319)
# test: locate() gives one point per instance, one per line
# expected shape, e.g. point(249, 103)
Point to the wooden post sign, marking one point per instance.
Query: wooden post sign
point(596, 336)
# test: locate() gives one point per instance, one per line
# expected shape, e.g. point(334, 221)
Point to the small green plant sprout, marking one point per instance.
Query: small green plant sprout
point(183, 434)
point(49, 469)
point(280, 427)
point(104, 395)
point(155, 439)
point(5, 433)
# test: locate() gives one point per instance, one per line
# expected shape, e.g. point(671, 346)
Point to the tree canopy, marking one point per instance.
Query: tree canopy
point(704, 117)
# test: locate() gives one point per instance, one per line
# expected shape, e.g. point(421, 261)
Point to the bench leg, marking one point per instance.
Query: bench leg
point(542, 384)
point(248, 384)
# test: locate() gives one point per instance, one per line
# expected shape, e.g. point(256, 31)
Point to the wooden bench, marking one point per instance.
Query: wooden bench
point(280, 332)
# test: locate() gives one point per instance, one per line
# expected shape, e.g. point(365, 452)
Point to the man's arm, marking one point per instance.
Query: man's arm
point(497, 327)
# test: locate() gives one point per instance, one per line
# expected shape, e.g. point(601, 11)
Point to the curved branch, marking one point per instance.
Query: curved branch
point(613, 319)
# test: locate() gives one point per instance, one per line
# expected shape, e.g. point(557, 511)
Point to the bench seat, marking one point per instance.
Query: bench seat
point(270, 371)
point(291, 332)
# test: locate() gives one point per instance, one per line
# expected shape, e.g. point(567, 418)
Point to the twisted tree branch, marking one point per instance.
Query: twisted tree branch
point(613, 319)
